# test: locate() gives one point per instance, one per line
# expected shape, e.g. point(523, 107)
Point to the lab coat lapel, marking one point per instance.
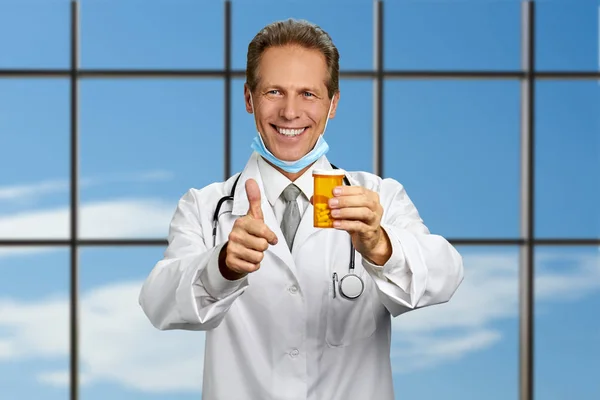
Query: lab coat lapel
point(241, 205)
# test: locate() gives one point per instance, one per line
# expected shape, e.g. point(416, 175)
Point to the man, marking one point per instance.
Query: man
point(267, 293)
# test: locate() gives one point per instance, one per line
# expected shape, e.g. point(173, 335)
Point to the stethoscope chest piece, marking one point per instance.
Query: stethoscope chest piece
point(351, 286)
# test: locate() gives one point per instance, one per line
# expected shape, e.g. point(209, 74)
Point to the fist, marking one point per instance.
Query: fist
point(248, 240)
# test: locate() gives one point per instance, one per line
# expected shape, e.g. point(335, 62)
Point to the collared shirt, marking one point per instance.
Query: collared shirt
point(275, 182)
point(284, 331)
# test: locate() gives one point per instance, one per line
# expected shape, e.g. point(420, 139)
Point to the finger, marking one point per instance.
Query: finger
point(311, 200)
point(253, 193)
point(249, 255)
point(250, 241)
point(261, 230)
point(250, 226)
point(348, 190)
point(352, 201)
point(363, 214)
point(351, 226)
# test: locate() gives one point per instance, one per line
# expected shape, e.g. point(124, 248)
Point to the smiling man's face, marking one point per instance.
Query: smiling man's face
point(291, 101)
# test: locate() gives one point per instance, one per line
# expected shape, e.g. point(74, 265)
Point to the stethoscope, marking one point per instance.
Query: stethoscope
point(351, 286)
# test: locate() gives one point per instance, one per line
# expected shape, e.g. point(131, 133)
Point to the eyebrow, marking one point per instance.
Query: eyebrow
point(300, 89)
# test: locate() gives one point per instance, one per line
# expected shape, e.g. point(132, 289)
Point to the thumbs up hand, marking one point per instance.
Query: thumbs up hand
point(248, 240)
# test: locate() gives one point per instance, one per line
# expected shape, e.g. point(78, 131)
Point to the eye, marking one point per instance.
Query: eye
point(274, 91)
point(308, 94)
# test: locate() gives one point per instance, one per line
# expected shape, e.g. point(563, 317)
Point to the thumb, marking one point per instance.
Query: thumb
point(253, 193)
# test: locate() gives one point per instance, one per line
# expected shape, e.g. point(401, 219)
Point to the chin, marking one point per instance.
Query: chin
point(291, 157)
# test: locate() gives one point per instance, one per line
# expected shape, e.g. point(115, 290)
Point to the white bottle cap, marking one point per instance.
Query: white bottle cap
point(332, 172)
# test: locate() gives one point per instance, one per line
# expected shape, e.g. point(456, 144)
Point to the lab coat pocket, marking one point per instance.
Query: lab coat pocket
point(349, 321)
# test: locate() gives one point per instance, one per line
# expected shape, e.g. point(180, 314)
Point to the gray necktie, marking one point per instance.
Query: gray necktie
point(291, 215)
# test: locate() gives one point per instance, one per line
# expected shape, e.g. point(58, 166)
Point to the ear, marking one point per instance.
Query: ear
point(336, 99)
point(247, 98)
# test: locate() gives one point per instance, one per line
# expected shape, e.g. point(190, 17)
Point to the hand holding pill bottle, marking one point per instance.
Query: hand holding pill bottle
point(324, 183)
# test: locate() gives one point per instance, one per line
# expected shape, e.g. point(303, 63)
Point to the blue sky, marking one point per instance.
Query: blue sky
point(454, 144)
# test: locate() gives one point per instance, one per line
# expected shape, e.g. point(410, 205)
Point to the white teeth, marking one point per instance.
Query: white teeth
point(290, 132)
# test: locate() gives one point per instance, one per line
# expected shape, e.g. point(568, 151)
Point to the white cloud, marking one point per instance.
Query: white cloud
point(122, 218)
point(40, 329)
point(118, 344)
point(126, 218)
point(489, 294)
point(144, 358)
point(118, 218)
point(61, 378)
point(35, 190)
point(6, 349)
point(50, 224)
point(419, 352)
point(22, 192)
point(576, 277)
point(25, 251)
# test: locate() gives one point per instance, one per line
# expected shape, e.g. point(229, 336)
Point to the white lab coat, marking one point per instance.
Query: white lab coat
point(279, 333)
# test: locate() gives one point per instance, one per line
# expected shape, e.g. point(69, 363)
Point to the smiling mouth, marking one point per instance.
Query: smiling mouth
point(289, 132)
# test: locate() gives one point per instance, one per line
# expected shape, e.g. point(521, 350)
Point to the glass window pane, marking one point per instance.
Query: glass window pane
point(567, 35)
point(34, 34)
point(243, 127)
point(567, 159)
point(349, 135)
point(158, 34)
point(34, 183)
point(144, 143)
point(468, 346)
point(455, 146)
point(567, 327)
point(464, 35)
point(34, 323)
point(122, 355)
point(350, 27)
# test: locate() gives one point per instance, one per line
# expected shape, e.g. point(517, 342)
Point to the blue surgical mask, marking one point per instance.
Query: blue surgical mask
point(320, 148)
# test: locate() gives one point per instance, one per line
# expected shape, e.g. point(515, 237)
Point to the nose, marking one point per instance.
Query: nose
point(290, 108)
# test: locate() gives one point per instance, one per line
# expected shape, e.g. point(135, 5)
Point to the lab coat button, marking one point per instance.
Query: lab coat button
point(293, 289)
point(294, 352)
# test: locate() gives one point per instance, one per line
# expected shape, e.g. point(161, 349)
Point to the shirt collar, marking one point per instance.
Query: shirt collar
point(275, 182)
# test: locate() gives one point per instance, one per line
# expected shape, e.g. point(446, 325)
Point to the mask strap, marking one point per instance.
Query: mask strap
point(328, 114)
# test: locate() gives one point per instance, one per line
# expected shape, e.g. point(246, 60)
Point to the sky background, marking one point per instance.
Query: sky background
point(454, 144)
